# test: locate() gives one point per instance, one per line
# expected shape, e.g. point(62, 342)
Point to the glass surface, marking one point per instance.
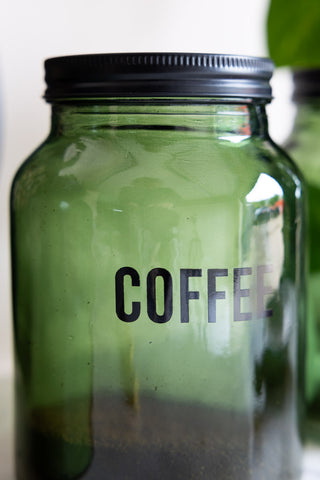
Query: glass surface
point(156, 270)
point(304, 143)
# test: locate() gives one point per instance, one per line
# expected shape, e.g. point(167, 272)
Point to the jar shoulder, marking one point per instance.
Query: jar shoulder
point(186, 166)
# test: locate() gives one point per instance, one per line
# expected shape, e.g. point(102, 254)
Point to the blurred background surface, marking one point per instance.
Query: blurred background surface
point(32, 31)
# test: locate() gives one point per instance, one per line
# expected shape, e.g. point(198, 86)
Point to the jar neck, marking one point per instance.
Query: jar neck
point(218, 117)
point(308, 106)
point(307, 116)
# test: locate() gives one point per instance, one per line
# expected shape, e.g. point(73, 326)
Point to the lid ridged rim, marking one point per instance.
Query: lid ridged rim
point(157, 74)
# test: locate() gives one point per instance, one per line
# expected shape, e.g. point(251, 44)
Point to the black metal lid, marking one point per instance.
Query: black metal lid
point(306, 84)
point(158, 75)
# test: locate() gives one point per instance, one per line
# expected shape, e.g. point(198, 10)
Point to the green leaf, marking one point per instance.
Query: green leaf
point(293, 28)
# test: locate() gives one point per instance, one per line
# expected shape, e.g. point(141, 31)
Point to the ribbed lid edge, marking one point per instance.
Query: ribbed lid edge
point(157, 74)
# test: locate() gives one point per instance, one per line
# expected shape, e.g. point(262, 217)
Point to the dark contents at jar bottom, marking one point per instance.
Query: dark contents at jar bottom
point(113, 438)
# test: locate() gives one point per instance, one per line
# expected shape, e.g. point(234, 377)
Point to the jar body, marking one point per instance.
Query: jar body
point(304, 144)
point(156, 272)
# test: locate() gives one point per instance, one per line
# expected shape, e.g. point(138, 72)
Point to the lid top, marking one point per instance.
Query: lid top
point(158, 75)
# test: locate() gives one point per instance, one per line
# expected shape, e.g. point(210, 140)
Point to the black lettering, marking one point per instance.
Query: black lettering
point(239, 293)
point(152, 295)
point(185, 294)
point(135, 281)
point(213, 294)
point(262, 290)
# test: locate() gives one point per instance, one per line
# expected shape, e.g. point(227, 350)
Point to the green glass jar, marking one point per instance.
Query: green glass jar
point(304, 144)
point(157, 246)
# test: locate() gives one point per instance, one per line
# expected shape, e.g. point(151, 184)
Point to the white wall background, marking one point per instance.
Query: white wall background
point(33, 30)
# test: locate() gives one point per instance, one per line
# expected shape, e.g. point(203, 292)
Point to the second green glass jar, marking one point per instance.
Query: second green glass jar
point(158, 276)
point(304, 144)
